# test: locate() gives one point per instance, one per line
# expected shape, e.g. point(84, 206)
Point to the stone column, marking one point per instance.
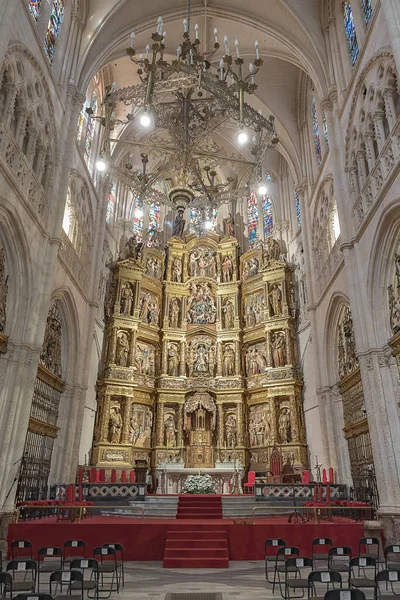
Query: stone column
point(9, 102)
point(31, 147)
point(391, 12)
point(295, 425)
point(362, 171)
point(379, 130)
point(105, 418)
point(20, 129)
point(179, 438)
point(390, 107)
point(240, 425)
point(369, 147)
point(8, 11)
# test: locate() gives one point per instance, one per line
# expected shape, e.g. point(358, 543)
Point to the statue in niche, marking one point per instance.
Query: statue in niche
point(203, 263)
point(122, 351)
point(134, 430)
point(253, 309)
point(275, 298)
point(177, 269)
point(170, 431)
point(3, 290)
point(211, 360)
point(115, 424)
point(127, 299)
point(141, 423)
point(174, 313)
point(228, 311)
point(228, 361)
point(194, 269)
point(179, 225)
point(201, 305)
point(249, 316)
point(278, 349)
point(133, 250)
point(259, 425)
point(191, 360)
point(145, 359)
point(153, 268)
point(271, 250)
point(227, 269)
point(285, 435)
point(255, 360)
point(173, 360)
point(348, 361)
point(231, 431)
point(228, 225)
point(201, 362)
point(250, 268)
point(50, 356)
point(154, 312)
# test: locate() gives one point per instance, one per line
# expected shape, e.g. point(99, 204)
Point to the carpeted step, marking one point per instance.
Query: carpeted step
point(196, 563)
point(196, 553)
point(199, 516)
point(203, 509)
point(193, 542)
point(198, 534)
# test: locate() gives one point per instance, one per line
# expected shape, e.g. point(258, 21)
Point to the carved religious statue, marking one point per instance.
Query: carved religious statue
point(279, 349)
point(145, 359)
point(154, 312)
point(231, 431)
point(132, 250)
point(271, 250)
point(149, 311)
point(177, 269)
point(170, 431)
point(153, 267)
point(3, 290)
point(228, 362)
point(255, 361)
point(134, 430)
point(50, 356)
point(115, 425)
point(228, 224)
point(228, 311)
point(203, 263)
point(122, 350)
point(285, 426)
point(211, 360)
point(201, 305)
point(250, 268)
point(275, 298)
point(127, 299)
point(173, 360)
point(179, 224)
point(227, 269)
point(174, 312)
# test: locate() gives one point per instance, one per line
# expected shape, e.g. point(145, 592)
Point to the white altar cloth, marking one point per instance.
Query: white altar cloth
point(171, 477)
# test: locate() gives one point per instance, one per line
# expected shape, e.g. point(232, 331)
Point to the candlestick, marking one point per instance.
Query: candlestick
point(226, 45)
point(164, 36)
point(256, 47)
point(147, 50)
point(237, 48)
point(159, 25)
point(185, 25)
point(216, 35)
point(132, 40)
point(196, 31)
point(178, 52)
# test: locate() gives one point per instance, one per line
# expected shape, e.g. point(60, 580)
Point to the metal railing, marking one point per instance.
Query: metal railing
point(318, 513)
point(76, 512)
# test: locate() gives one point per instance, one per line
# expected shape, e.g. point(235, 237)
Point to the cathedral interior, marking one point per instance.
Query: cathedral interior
point(200, 241)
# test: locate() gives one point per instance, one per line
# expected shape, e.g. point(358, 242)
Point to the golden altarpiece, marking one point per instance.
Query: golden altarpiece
point(200, 358)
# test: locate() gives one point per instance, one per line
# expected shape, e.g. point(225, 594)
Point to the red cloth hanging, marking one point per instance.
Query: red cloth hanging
point(132, 476)
point(324, 478)
point(113, 476)
point(92, 475)
point(102, 474)
point(123, 476)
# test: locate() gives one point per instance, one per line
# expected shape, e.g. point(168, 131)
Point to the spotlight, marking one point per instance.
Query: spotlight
point(145, 120)
point(208, 225)
point(262, 190)
point(101, 165)
point(242, 137)
point(138, 213)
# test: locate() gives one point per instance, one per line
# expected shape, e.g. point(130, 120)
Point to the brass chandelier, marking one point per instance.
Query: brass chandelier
point(182, 103)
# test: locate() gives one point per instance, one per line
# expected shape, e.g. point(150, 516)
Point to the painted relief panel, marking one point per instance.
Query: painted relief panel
point(201, 306)
point(256, 359)
point(260, 423)
point(254, 309)
point(141, 422)
point(145, 359)
point(203, 262)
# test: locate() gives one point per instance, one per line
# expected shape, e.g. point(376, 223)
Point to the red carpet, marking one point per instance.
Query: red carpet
point(185, 549)
point(193, 506)
point(145, 539)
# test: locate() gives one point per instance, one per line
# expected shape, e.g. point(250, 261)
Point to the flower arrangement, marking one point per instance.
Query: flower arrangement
point(199, 484)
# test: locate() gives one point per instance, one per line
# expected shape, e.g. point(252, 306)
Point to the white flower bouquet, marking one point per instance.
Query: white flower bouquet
point(199, 484)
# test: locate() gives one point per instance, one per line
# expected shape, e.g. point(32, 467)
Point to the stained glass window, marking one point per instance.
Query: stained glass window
point(350, 29)
point(111, 203)
point(268, 176)
point(367, 10)
point(317, 139)
point(297, 205)
point(326, 131)
point(154, 216)
point(34, 8)
point(138, 211)
point(81, 121)
point(195, 220)
point(268, 220)
point(212, 219)
point(90, 130)
point(53, 28)
point(252, 219)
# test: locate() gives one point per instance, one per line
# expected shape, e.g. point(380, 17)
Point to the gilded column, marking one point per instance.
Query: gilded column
point(164, 363)
point(132, 348)
point(240, 425)
point(179, 439)
point(182, 366)
point(237, 357)
point(289, 357)
point(105, 418)
point(113, 345)
point(160, 424)
point(221, 426)
point(294, 419)
point(127, 420)
point(219, 359)
point(269, 353)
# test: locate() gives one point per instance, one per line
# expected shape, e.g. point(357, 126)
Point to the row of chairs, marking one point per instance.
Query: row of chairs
point(284, 567)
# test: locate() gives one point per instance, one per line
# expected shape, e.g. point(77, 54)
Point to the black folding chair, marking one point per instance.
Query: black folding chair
point(283, 554)
point(362, 563)
point(73, 549)
point(369, 546)
point(23, 574)
point(33, 597)
point(49, 560)
point(21, 550)
point(72, 580)
point(271, 547)
point(339, 559)
point(344, 594)
point(392, 557)
point(391, 579)
point(6, 583)
point(119, 549)
point(89, 585)
point(320, 549)
point(107, 560)
point(327, 578)
point(294, 578)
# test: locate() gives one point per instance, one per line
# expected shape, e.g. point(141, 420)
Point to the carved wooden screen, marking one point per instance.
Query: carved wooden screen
point(42, 428)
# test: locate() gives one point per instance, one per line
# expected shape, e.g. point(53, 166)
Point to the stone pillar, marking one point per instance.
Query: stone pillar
point(9, 102)
point(31, 147)
point(8, 11)
point(20, 129)
point(391, 12)
point(390, 107)
point(379, 130)
point(369, 148)
point(362, 171)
